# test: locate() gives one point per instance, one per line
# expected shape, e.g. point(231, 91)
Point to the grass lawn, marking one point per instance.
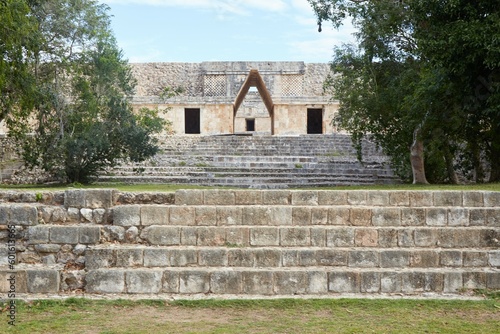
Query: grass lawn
point(256, 316)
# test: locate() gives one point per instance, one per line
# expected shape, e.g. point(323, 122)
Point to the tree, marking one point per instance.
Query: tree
point(82, 120)
point(414, 73)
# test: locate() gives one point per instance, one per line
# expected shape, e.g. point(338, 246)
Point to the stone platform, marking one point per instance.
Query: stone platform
point(251, 242)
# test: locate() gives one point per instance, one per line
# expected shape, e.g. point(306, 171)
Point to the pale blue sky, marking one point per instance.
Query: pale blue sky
point(222, 30)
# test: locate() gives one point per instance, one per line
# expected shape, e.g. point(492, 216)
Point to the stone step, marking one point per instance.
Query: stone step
point(115, 256)
point(289, 281)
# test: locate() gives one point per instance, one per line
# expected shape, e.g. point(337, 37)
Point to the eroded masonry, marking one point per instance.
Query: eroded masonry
point(281, 98)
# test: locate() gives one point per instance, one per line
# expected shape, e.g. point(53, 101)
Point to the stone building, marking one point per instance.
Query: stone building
point(280, 98)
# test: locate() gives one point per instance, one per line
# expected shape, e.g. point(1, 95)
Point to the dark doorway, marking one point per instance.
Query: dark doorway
point(314, 121)
point(192, 121)
point(250, 124)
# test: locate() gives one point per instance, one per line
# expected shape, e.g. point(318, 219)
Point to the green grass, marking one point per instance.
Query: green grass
point(257, 316)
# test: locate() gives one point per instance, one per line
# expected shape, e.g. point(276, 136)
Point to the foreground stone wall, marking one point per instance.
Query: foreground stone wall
point(242, 242)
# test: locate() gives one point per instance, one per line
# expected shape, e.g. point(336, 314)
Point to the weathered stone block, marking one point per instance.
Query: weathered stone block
point(290, 282)
point(212, 257)
point(390, 282)
point(478, 217)
point(327, 197)
point(194, 282)
point(331, 257)
point(370, 282)
point(114, 233)
point(340, 237)
point(43, 281)
point(4, 214)
point(386, 217)
point(301, 215)
point(240, 258)
point(491, 199)
point(23, 215)
point(127, 215)
point(182, 257)
point(399, 198)
point(227, 215)
point(319, 216)
point(458, 238)
point(458, 217)
point(303, 197)
point(162, 235)
point(493, 217)
point(267, 258)
point(344, 282)
point(307, 257)
point(452, 282)
point(317, 282)
point(189, 236)
point(237, 236)
point(416, 282)
point(448, 198)
point(388, 237)
point(378, 198)
point(406, 238)
point(38, 234)
point(47, 248)
point(64, 234)
point(13, 281)
point(264, 236)
point(295, 236)
point(211, 236)
point(363, 259)
point(436, 217)
point(219, 197)
point(142, 281)
point(205, 216)
point(105, 281)
point(129, 257)
point(450, 258)
point(318, 237)
point(494, 259)
point(93, 199)
point(426, 237)
point(357, 197)
point(424, 259)
point(170, 281)
point(474, 280)
point(156, 257)
point(339, 216)
point(276, 197)
point(189, 197)
point(89, 234)
point(473, 199)
point(87, 215)
point(290, 258)
point(420, 198)
point(394, 258)
point(267, 215)
point(225, 282)
point(246, 197)
point(366, 237)
point(475, 259)
point(412, 217)
point(257, 282)
point(100, 258)
point(155, 215)
point(182, 215)
point(360, 217)
point(493, 280)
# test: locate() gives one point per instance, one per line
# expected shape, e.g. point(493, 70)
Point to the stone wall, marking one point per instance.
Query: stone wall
point(237, 242)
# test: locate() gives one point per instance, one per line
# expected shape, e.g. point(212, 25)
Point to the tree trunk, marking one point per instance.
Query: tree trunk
point(417, 159)
point(448, 157)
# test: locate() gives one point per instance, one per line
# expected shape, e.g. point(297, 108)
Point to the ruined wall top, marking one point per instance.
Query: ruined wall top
point(222, 80)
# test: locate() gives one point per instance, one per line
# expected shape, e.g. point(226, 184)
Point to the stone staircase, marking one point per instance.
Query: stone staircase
point(253, 242)
point(259, 161)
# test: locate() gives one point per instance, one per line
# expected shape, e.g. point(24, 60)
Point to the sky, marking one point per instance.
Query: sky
point(222, 30)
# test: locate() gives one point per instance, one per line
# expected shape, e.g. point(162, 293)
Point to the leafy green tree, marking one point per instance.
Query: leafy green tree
point(413, 79)
point(82, 121)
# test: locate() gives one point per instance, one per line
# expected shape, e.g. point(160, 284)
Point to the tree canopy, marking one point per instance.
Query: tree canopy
point(75, 119)
point(422, 73)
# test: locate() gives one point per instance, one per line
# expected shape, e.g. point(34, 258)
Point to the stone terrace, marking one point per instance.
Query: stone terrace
point(267, 162)
point(252, 242)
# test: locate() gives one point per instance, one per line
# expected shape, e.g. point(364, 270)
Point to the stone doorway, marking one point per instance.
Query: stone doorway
point(314, 121)
point(192, 121)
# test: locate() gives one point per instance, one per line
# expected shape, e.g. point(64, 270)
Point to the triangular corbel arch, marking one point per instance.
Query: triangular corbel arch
point(255, 80)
